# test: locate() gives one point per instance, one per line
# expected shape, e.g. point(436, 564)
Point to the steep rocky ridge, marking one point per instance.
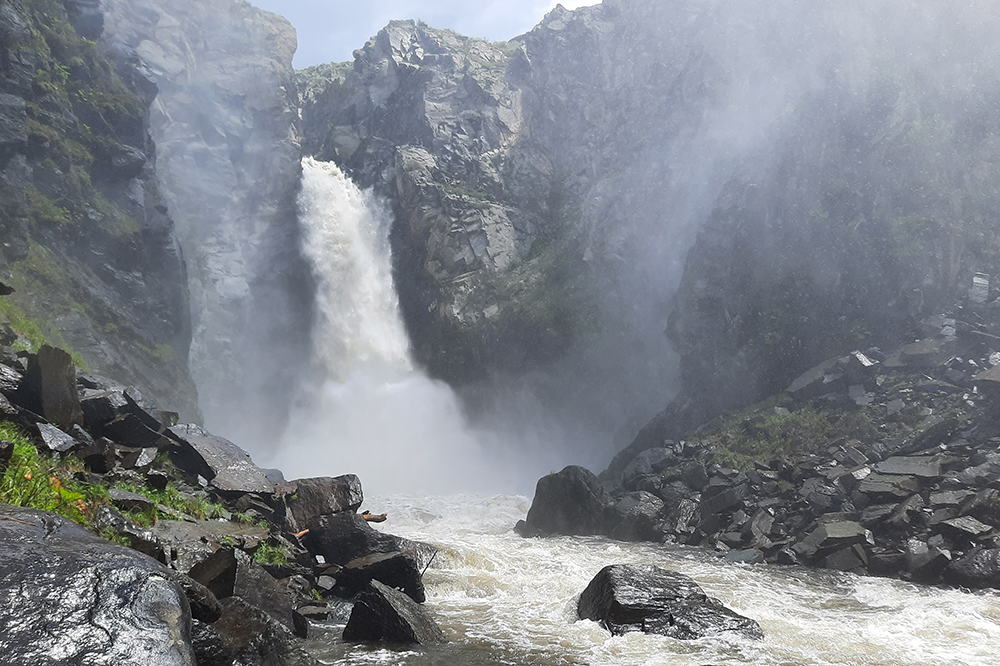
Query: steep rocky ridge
point(88, 245)
point(229, 162)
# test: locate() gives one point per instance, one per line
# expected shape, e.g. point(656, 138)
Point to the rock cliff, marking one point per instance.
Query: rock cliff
point(229, 163)
point(88, 245)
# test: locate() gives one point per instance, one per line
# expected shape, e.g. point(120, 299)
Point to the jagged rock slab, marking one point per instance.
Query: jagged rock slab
point(67, 592)
point(192, 542)
point(920, 466)
point(227, 466)
point(344, 537)
point(54, 439)
point(397, 570)
point(383, 614)
point(638, 513)
point(250, 636)
point(632, 597)
point(572, 502)
point(139, 538)
point(980, 570)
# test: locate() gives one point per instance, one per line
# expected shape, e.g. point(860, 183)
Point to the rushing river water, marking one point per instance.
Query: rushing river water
point(501, 599)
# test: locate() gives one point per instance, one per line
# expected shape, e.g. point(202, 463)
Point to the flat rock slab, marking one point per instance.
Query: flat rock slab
point(642, 597)
point(226, 465)
point(70, 597)
point(921, 466)
point(381, 613)
point(193, 542)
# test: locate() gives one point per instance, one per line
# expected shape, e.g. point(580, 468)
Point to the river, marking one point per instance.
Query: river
point(502, 599)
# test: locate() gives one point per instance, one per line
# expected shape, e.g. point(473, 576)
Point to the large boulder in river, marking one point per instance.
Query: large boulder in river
point(572, 502)
point(308, 499)
point(70, 597)
point(635, 597)
point(383, 614)
point(248, 636)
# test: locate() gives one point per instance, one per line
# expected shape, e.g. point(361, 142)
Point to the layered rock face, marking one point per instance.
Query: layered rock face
point(229, 161)
point(88, 246)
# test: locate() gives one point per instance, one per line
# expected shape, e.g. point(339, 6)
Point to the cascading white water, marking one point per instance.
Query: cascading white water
point(370, 411)
point(501, 599)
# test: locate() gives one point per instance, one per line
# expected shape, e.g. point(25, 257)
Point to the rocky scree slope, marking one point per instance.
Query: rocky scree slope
point(229, 165)
point(870, 463)
point(128, 538)
point(88, 245)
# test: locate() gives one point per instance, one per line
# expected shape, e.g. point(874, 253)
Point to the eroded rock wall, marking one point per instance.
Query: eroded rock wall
point(224, 123)
point(87, 241)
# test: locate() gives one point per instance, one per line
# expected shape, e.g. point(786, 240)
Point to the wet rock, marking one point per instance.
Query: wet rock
point(853, 558)
point(631, 597)
point(49, 387)
point(829, 537)
point(925, 353)
point(924, 562)
point(978, 570)
point(307, 499)
point(253, 636)
point(638, 514)
point(716, 499)
point(129, 501)
point(383, 614)
point(571, 502)
point(139, 538)
point(883, 485)
point(984, 506)
point(67, 592)
point(255, 586)
point(228, 467)
point(54, 439)
point(650, 461)
point(10, 381)
point(818, 380)
point(966, 527)
point(191, 541)
point(920, 466)
point(101, 407)
point(217, 572)
point(7, 410)
point(397, 570)
point(345, 537)
point(129, 430)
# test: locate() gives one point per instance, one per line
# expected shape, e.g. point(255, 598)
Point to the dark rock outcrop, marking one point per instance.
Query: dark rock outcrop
point(247, 635)
point(228, 467)
point(308, 499)
point(344, 537)
point(572, 501)
point(383, 614)
point(629, 597)
point(66, 592)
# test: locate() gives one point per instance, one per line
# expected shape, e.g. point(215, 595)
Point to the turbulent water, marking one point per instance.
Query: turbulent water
point(501, 599)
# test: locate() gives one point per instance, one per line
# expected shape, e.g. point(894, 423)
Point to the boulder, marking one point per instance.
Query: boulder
point(308, 499)
point(633, 597)
point(831, 537)
point(716, 499)
point(101, 407)
point(572, 501)
point(919, 466)
point(397, 570)
point(49, 387)
point(383, 614)
point(55, 440)
point(129, 501)
point(217, 572)
point(638, 514)
point(228, 467)
point(255, 586)
point(7, 410)
point(344, 537)
point(67, 592)
point(924, 562)
point(251, 636)
point(978, 570)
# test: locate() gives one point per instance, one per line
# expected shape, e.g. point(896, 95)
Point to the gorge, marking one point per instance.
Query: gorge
point(455, 266)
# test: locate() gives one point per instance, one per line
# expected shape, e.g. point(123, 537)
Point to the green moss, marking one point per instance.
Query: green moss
point(759, 434)
point(171, 497)
point(42, 209)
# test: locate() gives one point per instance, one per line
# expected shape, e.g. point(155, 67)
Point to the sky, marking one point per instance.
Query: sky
point(330, 30)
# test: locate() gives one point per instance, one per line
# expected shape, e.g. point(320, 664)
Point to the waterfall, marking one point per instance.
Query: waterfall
point(369, 410)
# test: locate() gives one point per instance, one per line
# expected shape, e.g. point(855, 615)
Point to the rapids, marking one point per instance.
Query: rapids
point(501, 599)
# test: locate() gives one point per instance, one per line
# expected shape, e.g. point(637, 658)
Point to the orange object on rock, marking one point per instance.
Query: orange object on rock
point(372, 518)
